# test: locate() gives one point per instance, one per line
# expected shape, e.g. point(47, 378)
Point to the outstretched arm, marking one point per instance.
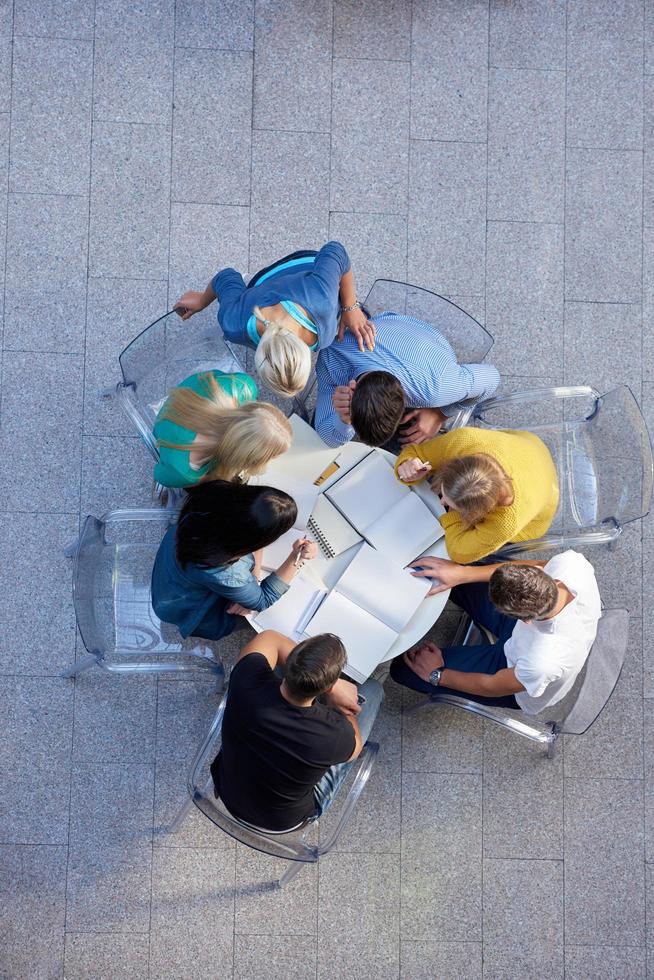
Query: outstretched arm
point(447, 574)
point(226, 285)
point(427, 657)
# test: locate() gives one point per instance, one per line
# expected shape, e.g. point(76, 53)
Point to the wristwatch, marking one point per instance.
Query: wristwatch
point(435, 676)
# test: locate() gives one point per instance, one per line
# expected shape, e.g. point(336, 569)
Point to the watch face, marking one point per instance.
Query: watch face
point(435, 677)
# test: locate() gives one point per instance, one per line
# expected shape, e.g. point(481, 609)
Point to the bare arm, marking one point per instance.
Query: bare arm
point(448, 573)
point(274, 646)
point(497, 685)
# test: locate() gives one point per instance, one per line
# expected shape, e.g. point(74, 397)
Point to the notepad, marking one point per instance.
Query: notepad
point(329, 529)
point(369, 605)
point(388, 514)
point(290, 614)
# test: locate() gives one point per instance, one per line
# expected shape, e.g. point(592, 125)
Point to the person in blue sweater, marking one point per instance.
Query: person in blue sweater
point(286, 311)
point(208, 565)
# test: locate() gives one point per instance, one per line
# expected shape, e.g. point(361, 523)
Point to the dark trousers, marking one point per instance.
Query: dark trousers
point(485, 658)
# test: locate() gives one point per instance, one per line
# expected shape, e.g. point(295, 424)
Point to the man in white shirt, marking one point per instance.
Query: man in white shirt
point(544, 615)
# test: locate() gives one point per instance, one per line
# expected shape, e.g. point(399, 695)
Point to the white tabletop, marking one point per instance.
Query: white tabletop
point(306, 460)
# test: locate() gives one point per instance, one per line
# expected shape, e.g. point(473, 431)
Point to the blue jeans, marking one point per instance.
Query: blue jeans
point(484, 658)
point(325, 791)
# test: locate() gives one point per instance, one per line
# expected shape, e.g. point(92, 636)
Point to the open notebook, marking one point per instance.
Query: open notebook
point(369, 605)
point(290, 614)
point(389, 515)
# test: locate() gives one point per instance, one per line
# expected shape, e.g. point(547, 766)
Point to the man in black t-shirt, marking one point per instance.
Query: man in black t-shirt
point(282, 753)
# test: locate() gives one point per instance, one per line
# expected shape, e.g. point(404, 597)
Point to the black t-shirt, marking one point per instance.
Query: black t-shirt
point(273, 753)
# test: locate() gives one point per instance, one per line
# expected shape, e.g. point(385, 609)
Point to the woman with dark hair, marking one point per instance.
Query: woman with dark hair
point(205, 572)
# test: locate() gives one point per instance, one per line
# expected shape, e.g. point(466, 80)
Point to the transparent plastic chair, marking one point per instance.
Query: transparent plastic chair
point(578, 710)
point(468, 338)
point(295, 846)
point(603, 460)
point(113, 562)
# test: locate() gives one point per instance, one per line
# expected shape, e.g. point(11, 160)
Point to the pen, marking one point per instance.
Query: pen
point(328, 471)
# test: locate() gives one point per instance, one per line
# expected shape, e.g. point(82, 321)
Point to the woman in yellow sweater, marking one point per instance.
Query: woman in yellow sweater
point(499, 486)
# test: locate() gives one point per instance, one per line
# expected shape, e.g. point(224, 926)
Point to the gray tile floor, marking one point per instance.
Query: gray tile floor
point(500, 153)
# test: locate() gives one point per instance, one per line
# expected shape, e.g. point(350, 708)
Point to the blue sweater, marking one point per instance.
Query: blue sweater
point(195, 599)
point(311, 283)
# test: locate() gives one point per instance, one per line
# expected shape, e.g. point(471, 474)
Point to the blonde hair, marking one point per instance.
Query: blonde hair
point(474, 484)
point(239, 439)
point(282, 359)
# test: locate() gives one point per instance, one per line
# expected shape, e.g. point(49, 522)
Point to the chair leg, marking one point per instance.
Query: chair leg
point(71, 548)
point(551, 742)
point(293, 869)
point(180, 818)
point(84, 663)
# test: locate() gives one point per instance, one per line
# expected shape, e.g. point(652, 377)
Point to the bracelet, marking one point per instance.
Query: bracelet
point(348, 309)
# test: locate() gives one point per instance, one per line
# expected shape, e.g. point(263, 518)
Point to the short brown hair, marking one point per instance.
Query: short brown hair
point(523, 591)
point(474, 484)
point(378, 405)
point(314, 665)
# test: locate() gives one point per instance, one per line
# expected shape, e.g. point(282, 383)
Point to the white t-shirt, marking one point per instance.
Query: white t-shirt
point(548, 655)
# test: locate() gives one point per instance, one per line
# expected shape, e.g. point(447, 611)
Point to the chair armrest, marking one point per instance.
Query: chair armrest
point(364, 765)
point(153, 514)
point(124, 393)
point(536, 394)
point(602, 534)
point(205, 747)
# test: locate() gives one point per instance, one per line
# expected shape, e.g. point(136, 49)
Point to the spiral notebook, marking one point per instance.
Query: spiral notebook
point(330, 530)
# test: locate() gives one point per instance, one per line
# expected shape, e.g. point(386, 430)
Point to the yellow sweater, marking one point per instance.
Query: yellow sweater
point(525, 459)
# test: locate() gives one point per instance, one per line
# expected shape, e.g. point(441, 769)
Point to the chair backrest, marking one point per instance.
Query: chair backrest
point(167, 352)
point(602, 670)
point(469, 339)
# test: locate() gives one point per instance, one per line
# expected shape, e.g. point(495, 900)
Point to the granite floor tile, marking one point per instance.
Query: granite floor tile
point(648, 146)
point(589, 333)
point(648, 769)
point(221, 24)
point(111, 803)
point(524, 298)
point(359, 903)
point(192, 913)
point(610, 810)
point(34, 803)
point(5, 74)
point(523, 919)
point(4, 153)
point(171, 793)
point(92, 954)
point(647, 406)
point(528, 34)
point(298, 188)
point(613, 746)
point(185, 710)
point(222, 90)
point(292, 95)
point(605, 71)
point(274, 957)
point(51, 116)
point(203, 240)
point(603, 225)
point(447, 961)
point(376, 244)
point(605, 962)
point(45, 285)
point(35, 592)
point(449, 70)
point(523, 798)
point(372, 180)
point(618, 571)
point(261, 909)
point(447, 217)
point(32, 906)
point(130, 201)
point(40, 440)
point(441, 739)
point(648, 619)
point(7, 19)
point(116, 472)
point(118, 310)
point(648, 301)
point(288, 25)
point(114, 719)
point(648, 30)
point(374, 104)
point(133, 79)
point(108, 887)
point(526, 145)
point(51, 18)
point(441, 861)
point(372, 29)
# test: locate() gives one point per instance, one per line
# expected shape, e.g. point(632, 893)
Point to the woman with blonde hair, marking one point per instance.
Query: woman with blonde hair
point(496, 485)
point(211, 428)
point(286, 311)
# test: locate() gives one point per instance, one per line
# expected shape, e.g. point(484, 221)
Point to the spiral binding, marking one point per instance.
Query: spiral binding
point(321, 540)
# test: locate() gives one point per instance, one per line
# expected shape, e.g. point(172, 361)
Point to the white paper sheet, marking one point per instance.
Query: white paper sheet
point(365, 638)
point(385, 590)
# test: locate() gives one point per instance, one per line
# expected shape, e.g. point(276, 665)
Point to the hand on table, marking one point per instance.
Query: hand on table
point(343, 696)
point(412, 469)
point(424, 423)
point(342, 399)
point(237, 610)
point(423, 658)
point(446, 572)
point(360, 327)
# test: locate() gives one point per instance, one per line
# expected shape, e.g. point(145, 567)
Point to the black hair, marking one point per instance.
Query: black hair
point(378, 405)
point(314, 665)
point(223, 521)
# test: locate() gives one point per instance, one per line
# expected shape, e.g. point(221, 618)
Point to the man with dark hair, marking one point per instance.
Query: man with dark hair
point(544, 615)
point(411, 380)
point(286, 741)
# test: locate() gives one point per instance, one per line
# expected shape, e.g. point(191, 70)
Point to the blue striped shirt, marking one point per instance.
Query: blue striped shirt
point(414, 352)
